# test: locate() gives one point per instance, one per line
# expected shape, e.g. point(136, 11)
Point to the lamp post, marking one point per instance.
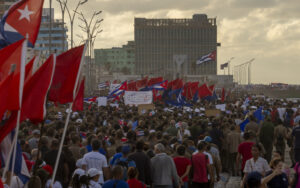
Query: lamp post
point(63, 6)
point(92, 31)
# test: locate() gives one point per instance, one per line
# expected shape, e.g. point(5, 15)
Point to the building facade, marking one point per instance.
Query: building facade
point(59, 41)
point(161, 44)
point(4, 5)
point(120, 60)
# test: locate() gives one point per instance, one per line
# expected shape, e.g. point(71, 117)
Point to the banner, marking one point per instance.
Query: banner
point(138, 97)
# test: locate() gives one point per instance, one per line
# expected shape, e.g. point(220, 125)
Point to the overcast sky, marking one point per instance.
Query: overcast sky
point(267, 30)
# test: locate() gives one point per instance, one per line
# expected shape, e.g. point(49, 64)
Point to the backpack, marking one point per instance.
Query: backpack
point(124, 165)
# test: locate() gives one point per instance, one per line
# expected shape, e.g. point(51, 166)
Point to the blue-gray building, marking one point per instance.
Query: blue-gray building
point(59, 41)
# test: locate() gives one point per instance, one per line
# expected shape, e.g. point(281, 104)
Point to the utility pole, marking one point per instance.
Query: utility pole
point(50, 26)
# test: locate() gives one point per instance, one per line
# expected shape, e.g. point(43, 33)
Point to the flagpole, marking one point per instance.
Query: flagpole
point(22, 76)
point(68, 119)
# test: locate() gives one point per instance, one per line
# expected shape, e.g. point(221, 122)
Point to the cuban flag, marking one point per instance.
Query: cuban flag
point(103, 85)
point(160, 86)
point(20, 168)
point(120, 90)
point(209, 57)
point(22, 18)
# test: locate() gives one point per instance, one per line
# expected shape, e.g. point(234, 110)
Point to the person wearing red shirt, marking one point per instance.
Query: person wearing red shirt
point(201, 166)
point(244, 151)
point(132, 178)
point(183, 166)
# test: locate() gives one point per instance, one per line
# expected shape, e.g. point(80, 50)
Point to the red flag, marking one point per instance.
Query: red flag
point(78, 102)
point(204, 91)
point(142, 83)
point(4, 94)
point(190, 89)
point(23, 18)
point(212, 88)
point(178, 84)
point(34, 98)
point(153, 81)
point(66, 74)
point(132, 86)
point(12, 58)
point(29, 69)
point(223, 95)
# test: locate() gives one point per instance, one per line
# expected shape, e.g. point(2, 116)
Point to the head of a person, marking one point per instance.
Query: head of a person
point(140, 145)
point(132, 172)
point(117, 172)
point(276, 163)
point(201, 146)
point(253, 180)
point(126, 149)
point(96, 145)
point(277, 155)
point(246, 136)
point(94, 174)
point(54, 144)
point(159, 148)
point(256, 150)
point(35, 181)
point(36, 133)
point(180, 150)
point(75, 139)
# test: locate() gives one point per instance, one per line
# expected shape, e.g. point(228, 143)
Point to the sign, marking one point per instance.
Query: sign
point(144, 108)
point(138, 97)
point(221, 107)
point(213, 113)
point(102, 101)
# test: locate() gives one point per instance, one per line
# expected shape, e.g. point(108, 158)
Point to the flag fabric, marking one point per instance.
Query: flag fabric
point(78, 102)
point(154, 81)
point(67, 68)
point(212, 88)
point(12, 58)
point(223, 95)
point(28, 69)
point(223, 66)
point(20, 168)
point(204, 91)
point(195, 97)
point(132, 86)
point(160, 86)
point(22, 18)
point(258, 114)
point(190, 89)
point(103, 85)
point(90, 99)
point(206, 58)
point(243, 124)
point(142, 83)
point(34, 98)
point(120, 90)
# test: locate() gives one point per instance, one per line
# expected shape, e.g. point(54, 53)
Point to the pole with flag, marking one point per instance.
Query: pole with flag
point(68, 118)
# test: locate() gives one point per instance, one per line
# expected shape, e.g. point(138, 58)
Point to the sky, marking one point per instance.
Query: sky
point(267, 30)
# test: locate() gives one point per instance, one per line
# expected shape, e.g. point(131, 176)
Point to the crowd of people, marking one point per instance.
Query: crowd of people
point(118, 146)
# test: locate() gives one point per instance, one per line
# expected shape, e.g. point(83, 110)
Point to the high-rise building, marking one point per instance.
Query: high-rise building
point(117, 59)
point(59, 41)
point(4, 5)
point(161, 42)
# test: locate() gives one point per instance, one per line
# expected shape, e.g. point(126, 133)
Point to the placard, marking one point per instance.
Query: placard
point(213, 113)
point(102, 101)
point(138, 97)
point(143, 108)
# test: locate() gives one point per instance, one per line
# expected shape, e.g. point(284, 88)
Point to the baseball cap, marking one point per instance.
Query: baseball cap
point(79, 163)
point(207, 139)
point(93, 172)
point(79, 171)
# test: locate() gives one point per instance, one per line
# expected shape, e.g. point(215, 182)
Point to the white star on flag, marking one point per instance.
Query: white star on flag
point(25, 13)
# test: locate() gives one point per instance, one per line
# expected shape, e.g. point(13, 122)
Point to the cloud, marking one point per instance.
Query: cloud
point(267, 30)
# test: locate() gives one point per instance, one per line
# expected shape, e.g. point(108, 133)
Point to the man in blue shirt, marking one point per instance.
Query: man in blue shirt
point(124, 161)
point(116, 182)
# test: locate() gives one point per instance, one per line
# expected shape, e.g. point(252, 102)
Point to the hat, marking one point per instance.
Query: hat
point(125, 149)
point(35, 131)
point(49, 169)
point(207, 139)
point(79, 171)
point(79, 163)
point(93, 172)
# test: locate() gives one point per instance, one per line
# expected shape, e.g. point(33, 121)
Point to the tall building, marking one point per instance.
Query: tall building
point(59, 41)
point(4, 5)
point(159, 43)
point(117, 59)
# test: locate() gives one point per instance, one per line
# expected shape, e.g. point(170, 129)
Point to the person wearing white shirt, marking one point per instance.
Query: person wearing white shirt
point(94, 159)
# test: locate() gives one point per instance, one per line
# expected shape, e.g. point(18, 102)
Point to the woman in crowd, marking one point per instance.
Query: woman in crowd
point(280, 180)
point(256, 163)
